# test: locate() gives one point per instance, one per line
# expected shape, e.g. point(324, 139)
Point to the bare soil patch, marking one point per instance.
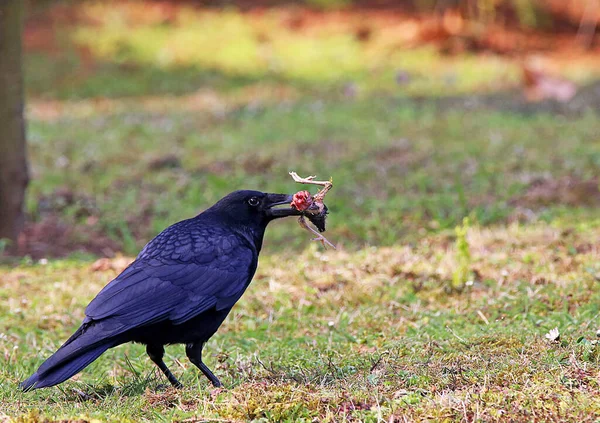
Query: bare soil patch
point(53, 237)
point(569, 190)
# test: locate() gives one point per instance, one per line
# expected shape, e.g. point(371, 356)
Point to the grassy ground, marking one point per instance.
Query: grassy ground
point(133, 129)
point(340, 336)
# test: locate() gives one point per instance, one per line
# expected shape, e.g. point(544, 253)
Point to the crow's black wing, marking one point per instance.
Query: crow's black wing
point(183, 272)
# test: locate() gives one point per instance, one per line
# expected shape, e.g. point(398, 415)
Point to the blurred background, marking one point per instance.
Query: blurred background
point(143, 113)
point(463, 139)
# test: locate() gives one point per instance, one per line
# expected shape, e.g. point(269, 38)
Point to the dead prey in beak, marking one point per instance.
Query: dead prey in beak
point(312, 207)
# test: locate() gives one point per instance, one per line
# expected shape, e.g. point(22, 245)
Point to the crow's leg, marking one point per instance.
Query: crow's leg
point(194, 353)
point(156, 353)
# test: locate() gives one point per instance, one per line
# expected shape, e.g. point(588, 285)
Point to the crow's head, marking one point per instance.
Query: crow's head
point(254, 208)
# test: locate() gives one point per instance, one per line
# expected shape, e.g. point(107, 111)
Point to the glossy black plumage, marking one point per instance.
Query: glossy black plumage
point(319, 219)
point(179, 289)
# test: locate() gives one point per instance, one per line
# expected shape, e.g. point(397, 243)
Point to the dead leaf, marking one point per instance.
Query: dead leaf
point(540, 85)
point(118, 264)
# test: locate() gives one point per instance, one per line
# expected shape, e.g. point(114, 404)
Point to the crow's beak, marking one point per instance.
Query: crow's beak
point(274, 200)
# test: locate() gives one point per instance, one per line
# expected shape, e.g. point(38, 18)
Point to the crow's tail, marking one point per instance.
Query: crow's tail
point(77, 353)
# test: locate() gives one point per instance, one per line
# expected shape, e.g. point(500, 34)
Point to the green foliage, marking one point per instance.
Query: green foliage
point(462, 273)
point(4, 243)
point(132, 58)
point(590, 351)
point(329, 4)
point(527, 12)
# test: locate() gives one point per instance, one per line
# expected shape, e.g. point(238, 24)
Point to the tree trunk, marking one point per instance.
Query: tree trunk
point(13, 155)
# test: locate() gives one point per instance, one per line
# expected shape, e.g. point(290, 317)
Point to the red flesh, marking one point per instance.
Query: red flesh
point(302, 200)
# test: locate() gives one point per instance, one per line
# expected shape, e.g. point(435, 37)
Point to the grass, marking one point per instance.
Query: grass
point(418, 315)
point(397, 168)
point(137, 52)
point(344, 336)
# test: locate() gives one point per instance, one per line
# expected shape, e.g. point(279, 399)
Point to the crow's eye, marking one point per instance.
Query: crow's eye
point(253, 201)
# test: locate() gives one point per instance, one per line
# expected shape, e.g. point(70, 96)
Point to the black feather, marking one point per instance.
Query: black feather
point(319, 219)
point(179, 289)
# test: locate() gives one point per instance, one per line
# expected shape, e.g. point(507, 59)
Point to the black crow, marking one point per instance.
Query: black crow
point(178, 290)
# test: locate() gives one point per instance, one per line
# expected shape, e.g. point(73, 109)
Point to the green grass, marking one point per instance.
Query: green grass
point(404, 322)
point(341, 335)
point(138, 55)
point(397, 168)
